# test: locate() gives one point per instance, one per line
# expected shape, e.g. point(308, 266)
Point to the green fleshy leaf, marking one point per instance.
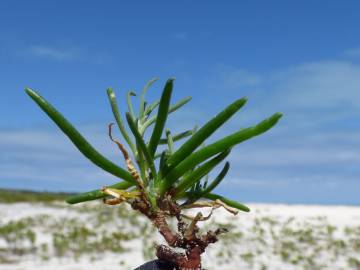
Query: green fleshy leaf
point(199, 173)
point(217, 147)
point(77, 139)
point(142, 97)
point(170, 141)
point(178, 136)
point(150, 108)
point(207, 189)
point(229, 202)
point(161, 117)
point(218, 179)
point(130, 94)
point(204, 132)
point(115, 110)
point(172, 109)
point(141, 144)
point(95, 194)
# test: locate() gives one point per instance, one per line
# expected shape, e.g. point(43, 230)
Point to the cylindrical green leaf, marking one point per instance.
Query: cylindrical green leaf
point(179, 104)
point(130, 94)
point(172, 108)
point(150, 108)
point(162, 164)
point(217, 147)
point(198, 173)
point(204, 132)
point(218, 179)
point(229, 202)
point(78, 140)
point(142, 97)
point(141, 144)
point(161, 117)
point(115, 110)
point(95, 194)
point(177, 137)
point(170, 141)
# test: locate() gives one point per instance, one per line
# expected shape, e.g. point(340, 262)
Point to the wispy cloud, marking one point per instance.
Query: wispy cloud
point(315, 144)
point(323, 83)
point(46, 159)
point(353, 52)
point(53, 53)
point(311, 93)
point(63, 54)
point(238, 77)
point(180, 36)
point(319, 85)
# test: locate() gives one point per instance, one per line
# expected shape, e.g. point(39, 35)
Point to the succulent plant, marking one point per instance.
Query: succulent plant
point(160, 181)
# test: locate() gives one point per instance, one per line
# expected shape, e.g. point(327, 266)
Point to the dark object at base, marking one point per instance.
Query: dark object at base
point(156, 265)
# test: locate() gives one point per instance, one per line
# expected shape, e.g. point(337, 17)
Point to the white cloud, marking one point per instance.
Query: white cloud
point(313, 85)
point(180, 36)
point(353, 52)
point(318, 85)
point(64, 54)
point(297, 156)
point(53, 53)
point(256, 182)
point(47, 159)
point(238, 78)
point(317, 140)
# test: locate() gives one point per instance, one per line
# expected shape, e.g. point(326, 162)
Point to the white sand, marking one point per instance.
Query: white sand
point(254, 247)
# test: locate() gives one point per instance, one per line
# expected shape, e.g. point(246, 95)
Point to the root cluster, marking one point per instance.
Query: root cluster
point(187, 236)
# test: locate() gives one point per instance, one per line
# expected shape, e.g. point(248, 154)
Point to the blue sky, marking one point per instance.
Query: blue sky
point(301, 58)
